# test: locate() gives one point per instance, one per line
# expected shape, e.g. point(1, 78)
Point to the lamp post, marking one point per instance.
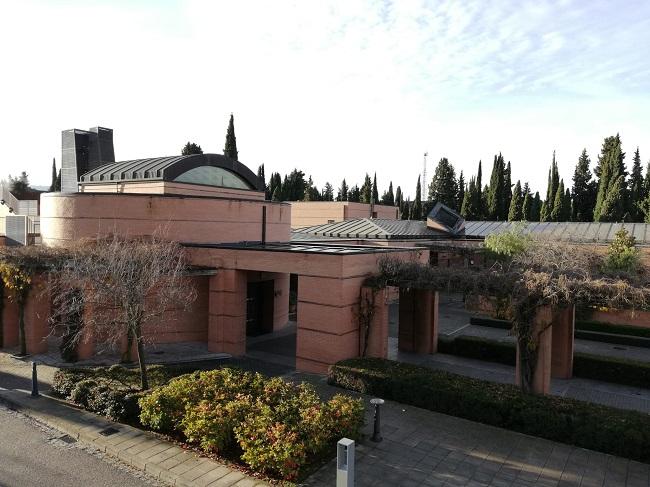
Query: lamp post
point(376, 433)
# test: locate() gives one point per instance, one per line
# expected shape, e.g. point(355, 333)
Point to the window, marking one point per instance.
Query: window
point(213, 176)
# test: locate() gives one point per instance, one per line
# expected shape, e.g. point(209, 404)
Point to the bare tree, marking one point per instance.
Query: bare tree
point(126, 286)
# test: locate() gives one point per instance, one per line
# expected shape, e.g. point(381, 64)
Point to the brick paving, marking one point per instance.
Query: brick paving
point(423, 448)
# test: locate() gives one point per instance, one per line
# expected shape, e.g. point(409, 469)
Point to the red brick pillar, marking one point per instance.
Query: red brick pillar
point(418, 321)
point(378, 330)
point(562, 354)
point(280, 301)
point(543, 329)
point(227, 312)
point(328, 323)
point(10, 322)
point(37, 314)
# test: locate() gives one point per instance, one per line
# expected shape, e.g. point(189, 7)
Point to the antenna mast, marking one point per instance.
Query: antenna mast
point(424, 170)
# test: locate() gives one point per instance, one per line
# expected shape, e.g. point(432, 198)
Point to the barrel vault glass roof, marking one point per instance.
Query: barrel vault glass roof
point(208, 169)
point(568, 231)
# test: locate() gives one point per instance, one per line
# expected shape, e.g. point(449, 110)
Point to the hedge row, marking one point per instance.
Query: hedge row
point(275, 427)
point(601, 428)
point(627, 331)
point(597, 367)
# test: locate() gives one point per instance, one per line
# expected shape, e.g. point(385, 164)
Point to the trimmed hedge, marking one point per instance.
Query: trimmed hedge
point(597, 367)
point(601, 428)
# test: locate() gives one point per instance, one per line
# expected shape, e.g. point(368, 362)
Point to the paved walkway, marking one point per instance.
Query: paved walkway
point(161, 459)
point(423, 448)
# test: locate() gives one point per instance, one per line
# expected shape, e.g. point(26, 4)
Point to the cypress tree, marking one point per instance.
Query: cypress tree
point(388, 198)
point(551, 191)
point(262, 177)
point(584, 191)
point(230, 149)
point(515, 213)
point(416, 207)
point(536, 208)
point(507, 187)
point(405, 210)
point(467, 209)
point(558, 204)
point(54, 176)
point(526, 206)
point(611, 207)
point(366, 190)
point(277, 194)
point(480, 207)
point(566, 214)
point(496, 206)
point(328, 192)
point(375, 192)
point(646, 182)
point(443, 187)
point(636, 190)
point(461, 191)
point(343, 192)
point(354, 195)
point(399, 199)
point(58, 181)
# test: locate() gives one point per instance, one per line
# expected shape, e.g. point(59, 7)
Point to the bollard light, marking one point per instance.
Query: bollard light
point(345, 463)
point(34, 381)
point(376, 430)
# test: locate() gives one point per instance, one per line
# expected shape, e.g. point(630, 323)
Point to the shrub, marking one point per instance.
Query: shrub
point(601, 428)
point(81, 392)
point(65, 380)
point(277, 425)
point(622, 254)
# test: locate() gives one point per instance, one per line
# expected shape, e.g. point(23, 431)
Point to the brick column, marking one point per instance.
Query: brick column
point(542, 327)
point(328, 324)
point(378, 332)
point(418, 321)
point(227, 312)
point(281, 301)
point(562, 354)
point(10, 322)
point(37, 314)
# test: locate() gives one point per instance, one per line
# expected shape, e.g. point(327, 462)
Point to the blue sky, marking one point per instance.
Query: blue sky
point(337, 89)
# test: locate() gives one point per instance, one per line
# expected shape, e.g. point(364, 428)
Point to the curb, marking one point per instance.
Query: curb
point(161, 459)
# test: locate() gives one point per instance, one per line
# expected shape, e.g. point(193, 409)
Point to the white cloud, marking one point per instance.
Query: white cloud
point(336, 88)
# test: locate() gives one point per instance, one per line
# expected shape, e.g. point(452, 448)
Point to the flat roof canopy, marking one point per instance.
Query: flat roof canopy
point(299, 248)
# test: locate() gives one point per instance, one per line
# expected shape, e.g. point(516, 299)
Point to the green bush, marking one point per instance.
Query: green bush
point(82, 391)
point(479, 348)
point(65, 380)
point(601, 428)
point(275, 426)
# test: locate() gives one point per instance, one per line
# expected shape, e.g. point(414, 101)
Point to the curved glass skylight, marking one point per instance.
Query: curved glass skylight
point(213, 176)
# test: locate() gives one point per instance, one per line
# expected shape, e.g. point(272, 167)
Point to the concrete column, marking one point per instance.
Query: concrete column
point(542, 327)
point(562, 353)
point(418, 321)
point(227, 312)
point(328, 324)
point(378, 332)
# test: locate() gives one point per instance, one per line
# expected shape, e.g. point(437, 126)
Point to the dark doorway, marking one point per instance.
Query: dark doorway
point(259, 308)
